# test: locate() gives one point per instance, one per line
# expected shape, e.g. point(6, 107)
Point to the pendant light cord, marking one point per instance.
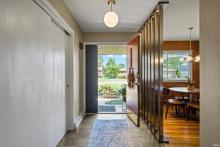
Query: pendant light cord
point(190, 37)
point(111, 3)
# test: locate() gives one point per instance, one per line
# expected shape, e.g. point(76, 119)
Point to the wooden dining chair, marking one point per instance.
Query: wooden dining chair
point(170, 101)
point(194, 106)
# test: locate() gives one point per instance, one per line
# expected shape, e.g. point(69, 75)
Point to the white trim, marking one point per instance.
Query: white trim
point(79, 120)
point(51, 11)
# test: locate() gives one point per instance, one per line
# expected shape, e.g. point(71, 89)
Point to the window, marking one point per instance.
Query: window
point(175, 68)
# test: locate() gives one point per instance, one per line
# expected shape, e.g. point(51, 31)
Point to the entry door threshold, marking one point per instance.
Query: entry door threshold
point(112, 112)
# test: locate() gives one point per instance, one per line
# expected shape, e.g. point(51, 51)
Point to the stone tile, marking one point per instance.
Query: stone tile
point(109, 130)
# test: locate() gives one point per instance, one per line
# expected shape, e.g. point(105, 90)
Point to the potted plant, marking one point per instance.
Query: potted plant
point(191, 84)
point(122, 92)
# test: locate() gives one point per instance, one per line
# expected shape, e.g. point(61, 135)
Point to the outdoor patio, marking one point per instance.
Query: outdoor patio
point(109, 105)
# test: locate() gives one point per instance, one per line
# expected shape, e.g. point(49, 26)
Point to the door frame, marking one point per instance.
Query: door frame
point(84, 66)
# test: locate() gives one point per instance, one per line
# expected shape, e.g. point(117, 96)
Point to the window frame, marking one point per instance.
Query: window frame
point(190, 64)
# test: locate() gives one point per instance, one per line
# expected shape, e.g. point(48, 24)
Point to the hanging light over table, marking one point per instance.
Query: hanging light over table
point(190, 58)
point(111, 18)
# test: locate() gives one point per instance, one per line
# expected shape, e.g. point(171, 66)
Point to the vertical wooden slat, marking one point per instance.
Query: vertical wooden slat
point(149, 74)
point(142, 74)
point(160, 48)
point(146, 74)
point(157, 56)
point(139, 85)
point(152, 76)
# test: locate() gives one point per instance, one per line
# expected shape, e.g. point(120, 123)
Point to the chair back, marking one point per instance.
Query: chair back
point(166, 94)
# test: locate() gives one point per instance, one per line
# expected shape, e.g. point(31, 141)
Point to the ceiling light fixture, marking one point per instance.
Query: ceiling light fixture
point(111, 18)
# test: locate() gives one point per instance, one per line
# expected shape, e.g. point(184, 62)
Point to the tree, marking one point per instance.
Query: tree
point(111, 70)
point(175, 63)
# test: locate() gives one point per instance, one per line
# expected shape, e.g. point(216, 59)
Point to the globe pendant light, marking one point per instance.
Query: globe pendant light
point(197, 58)
point(189, 58)
point(111, 18)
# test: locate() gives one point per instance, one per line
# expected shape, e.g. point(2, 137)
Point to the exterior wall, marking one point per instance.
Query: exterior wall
point(210, 71)
point(184, 45)
point(121, 37)
point(78, 55)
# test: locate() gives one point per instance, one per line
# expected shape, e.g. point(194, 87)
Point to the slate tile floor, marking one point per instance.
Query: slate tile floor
point(109, 130)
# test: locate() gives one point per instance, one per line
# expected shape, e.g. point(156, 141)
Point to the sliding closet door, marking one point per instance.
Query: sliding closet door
point(32, 77)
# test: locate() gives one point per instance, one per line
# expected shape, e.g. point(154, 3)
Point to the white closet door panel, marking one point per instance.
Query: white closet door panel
point(32, 76)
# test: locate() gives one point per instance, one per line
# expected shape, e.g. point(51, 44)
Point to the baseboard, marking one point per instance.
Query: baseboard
point(79, 120)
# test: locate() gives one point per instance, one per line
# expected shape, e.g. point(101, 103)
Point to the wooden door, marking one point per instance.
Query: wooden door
point(133, 80)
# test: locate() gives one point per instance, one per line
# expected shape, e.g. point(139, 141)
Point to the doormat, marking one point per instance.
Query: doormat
point(110, 133)
point(104, 108)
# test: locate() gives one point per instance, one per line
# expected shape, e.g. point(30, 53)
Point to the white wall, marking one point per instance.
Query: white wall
point(210, 72)
point(32, 77)
point(78, 61)
point(121, 37)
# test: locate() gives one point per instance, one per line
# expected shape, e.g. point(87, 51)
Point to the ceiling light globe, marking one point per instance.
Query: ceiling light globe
point(111, 19)
point(189, 58)
point(197, 58)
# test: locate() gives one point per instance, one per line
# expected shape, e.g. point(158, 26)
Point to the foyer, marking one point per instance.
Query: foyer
point(109, 130)
point(169, 89)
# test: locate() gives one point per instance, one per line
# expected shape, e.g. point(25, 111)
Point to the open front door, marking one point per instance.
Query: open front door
point(133, 80)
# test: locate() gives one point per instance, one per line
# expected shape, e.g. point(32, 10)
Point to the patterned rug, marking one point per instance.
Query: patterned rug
point(109, 133)
point(104, 108)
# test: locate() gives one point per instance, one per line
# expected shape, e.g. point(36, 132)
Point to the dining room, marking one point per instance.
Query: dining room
point(181, 74)
point(181, 96)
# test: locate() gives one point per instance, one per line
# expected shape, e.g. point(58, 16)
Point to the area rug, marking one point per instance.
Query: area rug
point(104, 108)
point(109, 133)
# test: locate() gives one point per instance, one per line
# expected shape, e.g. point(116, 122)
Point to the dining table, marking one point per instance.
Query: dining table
point(185, 90)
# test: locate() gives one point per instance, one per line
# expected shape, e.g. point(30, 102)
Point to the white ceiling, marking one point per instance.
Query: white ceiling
point(178, 16)
point(90, 13)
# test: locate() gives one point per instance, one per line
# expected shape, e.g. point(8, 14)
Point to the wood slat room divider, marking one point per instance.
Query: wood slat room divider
point(151, 102)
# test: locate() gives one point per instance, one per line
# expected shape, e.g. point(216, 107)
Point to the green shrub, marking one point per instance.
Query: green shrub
point(122, 92)
point(122, 76)
point(106, 89)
